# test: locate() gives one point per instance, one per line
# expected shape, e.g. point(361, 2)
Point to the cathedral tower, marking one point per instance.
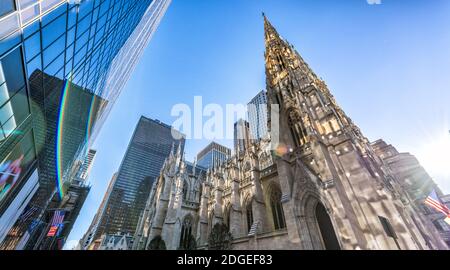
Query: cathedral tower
point(335, 189)
point(323, 187)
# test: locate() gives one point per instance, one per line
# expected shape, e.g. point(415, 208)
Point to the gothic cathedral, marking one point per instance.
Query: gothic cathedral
point(322, 188)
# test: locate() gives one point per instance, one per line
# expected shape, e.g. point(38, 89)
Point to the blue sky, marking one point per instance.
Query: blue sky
point(386, 64)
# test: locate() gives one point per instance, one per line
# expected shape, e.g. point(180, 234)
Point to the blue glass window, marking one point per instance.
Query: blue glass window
point(13, 96)
point(54, 50)
point(32, 46)
point(11, 72)
point(6, 6)
point(53, 31)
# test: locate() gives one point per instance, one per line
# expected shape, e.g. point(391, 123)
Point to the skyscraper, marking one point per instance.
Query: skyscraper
point(213, 155)
point(86, 166)
point(58, 60)
point(241, 136)
point(258, 115)
point(71, 205)
point(151, 144)
point(88, 237)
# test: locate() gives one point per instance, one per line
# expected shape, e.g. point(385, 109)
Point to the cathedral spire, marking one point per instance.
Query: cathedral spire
point(270, 32)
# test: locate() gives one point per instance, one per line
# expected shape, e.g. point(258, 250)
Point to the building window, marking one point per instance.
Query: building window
point(6, 6)
point(185, 191)
point(227, 216)
point(16, 165)
point(277, 209)
point(186, 231)
point(14, 106)
point(389, 230)
point(441, 225)
point(387, 227)
point(249, 214)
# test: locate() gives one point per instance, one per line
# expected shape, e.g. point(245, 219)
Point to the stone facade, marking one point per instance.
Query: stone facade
point(114, 242)
point(323, 187)
point(417, 184)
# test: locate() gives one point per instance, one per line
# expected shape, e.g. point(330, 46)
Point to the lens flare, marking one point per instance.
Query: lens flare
point(59, 139)
point(435, 156)
point(282, 150)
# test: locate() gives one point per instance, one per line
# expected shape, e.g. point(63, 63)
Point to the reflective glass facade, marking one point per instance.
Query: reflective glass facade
point(213, 155)
point(147, 151)
point(62, 66)
point(258, 116)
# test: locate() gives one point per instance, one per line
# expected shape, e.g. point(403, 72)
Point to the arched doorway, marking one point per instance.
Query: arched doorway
point(329, 238)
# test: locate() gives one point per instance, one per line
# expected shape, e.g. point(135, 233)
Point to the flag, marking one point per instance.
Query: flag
point(433, 201)
point(52, 231)
point(58, 217)
point(57, 220)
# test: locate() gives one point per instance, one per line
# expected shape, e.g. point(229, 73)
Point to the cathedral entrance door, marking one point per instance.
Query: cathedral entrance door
point(329, 238)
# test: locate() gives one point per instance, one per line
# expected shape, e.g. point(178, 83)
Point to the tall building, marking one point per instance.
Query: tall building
point(241, 136)
point(323, 188)
point(86, 166)
point(151, 144)
point(70, 205)
point(88, 237)
point(258, 115)
point(213, 155)
point(59, 60)
point(417, 184)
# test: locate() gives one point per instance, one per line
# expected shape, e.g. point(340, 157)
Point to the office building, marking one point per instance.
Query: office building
point(86, 166)
point(151, 143)
point(258, 116)
point(88, 237)
point(241, 136)
point(213, 155)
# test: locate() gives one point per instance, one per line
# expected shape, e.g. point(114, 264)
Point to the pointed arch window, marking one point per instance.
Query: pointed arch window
point(185, 191)
point(277, 209)
point(227, 216)
point(249, 214)
point(210, 221)
point(186, 231)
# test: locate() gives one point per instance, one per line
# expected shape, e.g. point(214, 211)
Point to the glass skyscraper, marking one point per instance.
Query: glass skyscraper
point(241, 136)
point(213, 155)
point(63, 63)
point(150, 146)
point(258, 116)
